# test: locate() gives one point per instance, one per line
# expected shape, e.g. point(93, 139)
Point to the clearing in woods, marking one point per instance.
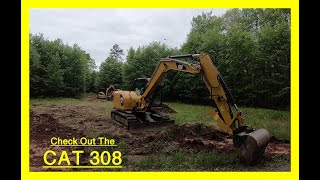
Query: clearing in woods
point(192, 144)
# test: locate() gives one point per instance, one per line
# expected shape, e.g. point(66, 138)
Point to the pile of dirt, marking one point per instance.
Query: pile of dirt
point(42, 128)
point(193, 138)
point(166, 109)
point(196, 131)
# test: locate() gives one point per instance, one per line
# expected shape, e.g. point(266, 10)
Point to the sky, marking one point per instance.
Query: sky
point(97, 30)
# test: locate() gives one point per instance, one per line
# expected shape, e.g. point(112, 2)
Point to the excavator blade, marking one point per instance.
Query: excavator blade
point(252, 145)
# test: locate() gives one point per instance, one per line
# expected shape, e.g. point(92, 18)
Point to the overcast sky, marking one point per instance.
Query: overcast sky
point(97, 30)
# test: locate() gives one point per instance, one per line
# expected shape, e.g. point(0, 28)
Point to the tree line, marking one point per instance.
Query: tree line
point(250, 47)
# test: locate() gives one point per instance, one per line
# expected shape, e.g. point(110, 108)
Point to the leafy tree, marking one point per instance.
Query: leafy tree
point(110, 73)
point(57, 69)
point(35, 70)
point(251, 48)
point(142, 61)
point(116, 52)
point(274, 62)
point(93, 82)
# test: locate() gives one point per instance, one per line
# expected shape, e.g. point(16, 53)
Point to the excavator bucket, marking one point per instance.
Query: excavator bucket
point(252, 145)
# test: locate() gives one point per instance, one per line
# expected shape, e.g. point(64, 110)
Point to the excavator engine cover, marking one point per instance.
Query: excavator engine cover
point(252, 145)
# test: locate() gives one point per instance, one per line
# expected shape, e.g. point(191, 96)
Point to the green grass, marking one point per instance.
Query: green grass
point(276, 122)
point(183, 161)
point(189, 113)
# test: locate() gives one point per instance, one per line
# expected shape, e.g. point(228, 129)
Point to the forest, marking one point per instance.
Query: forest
point(250, 47)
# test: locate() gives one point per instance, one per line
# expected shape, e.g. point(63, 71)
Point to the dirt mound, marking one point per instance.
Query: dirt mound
point(44, 126)
point(166, 109)
point(199, 137)
point(277, 148)
point(196, 131)
point(194, 138)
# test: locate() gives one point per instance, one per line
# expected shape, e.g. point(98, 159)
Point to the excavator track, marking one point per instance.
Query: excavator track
point(141, 121)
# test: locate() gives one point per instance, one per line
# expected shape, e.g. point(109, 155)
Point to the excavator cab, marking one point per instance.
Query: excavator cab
point(140, 85)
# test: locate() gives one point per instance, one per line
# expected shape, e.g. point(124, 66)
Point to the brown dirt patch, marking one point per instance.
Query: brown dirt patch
point(42, 128)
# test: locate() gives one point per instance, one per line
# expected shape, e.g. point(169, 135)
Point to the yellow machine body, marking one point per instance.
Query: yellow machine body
point(126, 100)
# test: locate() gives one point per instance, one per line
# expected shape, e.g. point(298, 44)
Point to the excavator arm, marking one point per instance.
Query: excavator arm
point(221, 95)
point(164, 66)
point(223, 115)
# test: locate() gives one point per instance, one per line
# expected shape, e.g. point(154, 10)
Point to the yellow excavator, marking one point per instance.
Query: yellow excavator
point(108, 94)
point(133, 109)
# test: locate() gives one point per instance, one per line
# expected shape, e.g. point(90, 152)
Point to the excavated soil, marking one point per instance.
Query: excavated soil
point(166, 109)
point(42, 128)
point(74, 120)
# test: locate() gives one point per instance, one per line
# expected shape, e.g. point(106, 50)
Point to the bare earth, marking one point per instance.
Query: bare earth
point(92, 119)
